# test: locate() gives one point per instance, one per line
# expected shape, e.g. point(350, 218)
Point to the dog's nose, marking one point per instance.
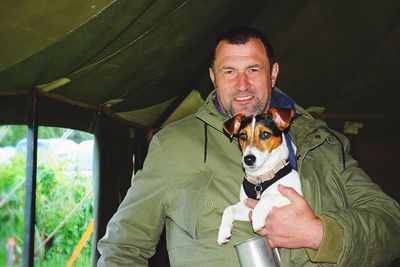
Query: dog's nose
point(249, 160)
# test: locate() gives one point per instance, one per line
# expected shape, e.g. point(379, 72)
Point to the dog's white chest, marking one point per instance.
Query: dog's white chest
point(271, 197)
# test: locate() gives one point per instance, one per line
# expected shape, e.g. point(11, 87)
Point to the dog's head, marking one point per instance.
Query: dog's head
point(259, 137)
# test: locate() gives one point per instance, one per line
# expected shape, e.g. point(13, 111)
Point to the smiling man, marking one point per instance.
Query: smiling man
point(243, 77)
point(193, 172)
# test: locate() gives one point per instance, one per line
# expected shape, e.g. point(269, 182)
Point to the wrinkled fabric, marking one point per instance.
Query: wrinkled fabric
point(177, 188)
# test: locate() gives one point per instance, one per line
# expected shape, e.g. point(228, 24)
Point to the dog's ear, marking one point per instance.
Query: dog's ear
point(281, 117)
point(232, 125)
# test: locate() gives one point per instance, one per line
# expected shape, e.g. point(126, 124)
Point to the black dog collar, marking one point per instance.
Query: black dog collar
point(254, 191)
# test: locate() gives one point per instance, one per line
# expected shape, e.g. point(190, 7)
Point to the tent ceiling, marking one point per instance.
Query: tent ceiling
point(146, 55)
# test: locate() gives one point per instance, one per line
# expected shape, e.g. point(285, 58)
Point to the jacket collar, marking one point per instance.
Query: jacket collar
point(209, 114)
point(212, 114)
point(304, 130)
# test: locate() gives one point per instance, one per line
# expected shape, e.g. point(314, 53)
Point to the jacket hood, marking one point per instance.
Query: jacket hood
point(211, 116)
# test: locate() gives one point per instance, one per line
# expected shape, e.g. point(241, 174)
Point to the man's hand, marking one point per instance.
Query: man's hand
point(291, 226)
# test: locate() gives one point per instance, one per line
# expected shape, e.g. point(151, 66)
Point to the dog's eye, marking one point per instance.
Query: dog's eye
point(264, 135)
point(243, 136)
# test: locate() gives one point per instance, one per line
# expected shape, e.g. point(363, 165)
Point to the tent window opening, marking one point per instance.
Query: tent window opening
point(12, 194)
point(63, 199)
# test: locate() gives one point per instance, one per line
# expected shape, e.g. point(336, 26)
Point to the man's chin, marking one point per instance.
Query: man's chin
point(246, 111)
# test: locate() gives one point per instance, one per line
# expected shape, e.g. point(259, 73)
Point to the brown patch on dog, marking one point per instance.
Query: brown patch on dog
point(232, 125)
point(282, 117)
point(249, 132)
point(265, 145)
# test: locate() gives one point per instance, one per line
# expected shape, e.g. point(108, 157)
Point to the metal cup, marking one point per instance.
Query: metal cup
point(255, 252)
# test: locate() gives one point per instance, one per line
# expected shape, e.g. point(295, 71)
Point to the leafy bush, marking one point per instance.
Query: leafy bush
point(14, 134)
point(57, 194)
point(12, 213)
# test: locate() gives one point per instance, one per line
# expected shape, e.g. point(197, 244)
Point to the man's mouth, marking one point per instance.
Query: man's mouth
point(243, 98)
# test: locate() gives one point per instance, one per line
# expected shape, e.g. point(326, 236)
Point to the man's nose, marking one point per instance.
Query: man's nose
point(243, 82)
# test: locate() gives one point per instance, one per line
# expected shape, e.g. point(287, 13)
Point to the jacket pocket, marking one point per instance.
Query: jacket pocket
point(186, 199)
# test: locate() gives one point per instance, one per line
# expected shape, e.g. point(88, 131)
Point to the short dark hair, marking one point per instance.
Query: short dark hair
point(241, 35)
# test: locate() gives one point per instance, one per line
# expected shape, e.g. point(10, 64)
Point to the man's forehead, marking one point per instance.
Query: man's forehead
point(252, 44)
point(229, 54)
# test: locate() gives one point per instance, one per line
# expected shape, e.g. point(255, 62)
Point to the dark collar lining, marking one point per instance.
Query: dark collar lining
point(252, 190)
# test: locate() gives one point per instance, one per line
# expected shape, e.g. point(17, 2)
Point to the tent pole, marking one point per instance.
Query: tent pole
point(30, 191)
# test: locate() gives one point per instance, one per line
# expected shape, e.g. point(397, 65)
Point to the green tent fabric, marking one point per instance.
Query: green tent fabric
point(135, 55)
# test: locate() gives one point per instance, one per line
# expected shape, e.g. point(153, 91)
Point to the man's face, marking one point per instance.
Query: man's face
point(242, 77)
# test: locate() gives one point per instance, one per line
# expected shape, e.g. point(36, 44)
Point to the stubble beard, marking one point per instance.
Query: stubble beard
point(254, 109)
point(248, 110)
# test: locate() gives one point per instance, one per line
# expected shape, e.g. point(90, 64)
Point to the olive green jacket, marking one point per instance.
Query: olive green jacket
point(193, 172)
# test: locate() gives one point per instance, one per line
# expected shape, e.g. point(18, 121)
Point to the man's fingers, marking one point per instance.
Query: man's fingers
point(251, 203)
point(250, 215)
point(262, 232)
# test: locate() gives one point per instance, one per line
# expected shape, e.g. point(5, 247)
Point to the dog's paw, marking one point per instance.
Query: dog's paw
point(223, 240)
point(224, 235)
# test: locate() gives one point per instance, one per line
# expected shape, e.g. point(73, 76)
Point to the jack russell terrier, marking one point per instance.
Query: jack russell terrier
point(265, 162)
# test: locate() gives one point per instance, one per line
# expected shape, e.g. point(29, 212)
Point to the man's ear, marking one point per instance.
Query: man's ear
point(274, 74)
point(282, 117)
point(212, 76)
point(232, 125)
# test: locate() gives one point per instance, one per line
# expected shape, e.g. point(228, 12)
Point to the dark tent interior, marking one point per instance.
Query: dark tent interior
point(122, 69)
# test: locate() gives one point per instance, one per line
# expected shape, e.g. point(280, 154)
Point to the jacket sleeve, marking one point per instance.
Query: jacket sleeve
point(370, 222)
point(134, 231)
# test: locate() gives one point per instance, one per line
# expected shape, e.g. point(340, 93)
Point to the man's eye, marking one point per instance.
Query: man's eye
point(254, 71)
point(228, 72)
point(243, 136)
point(264, 135)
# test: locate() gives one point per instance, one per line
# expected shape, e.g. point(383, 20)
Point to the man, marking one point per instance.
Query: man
point(193, 171)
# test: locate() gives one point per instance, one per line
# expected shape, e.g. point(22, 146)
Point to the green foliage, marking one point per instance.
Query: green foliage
point(50, 132)
point(11, 214)
point(14, 134)
point(67, 190)
point(17, 132)
point(57, 194)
